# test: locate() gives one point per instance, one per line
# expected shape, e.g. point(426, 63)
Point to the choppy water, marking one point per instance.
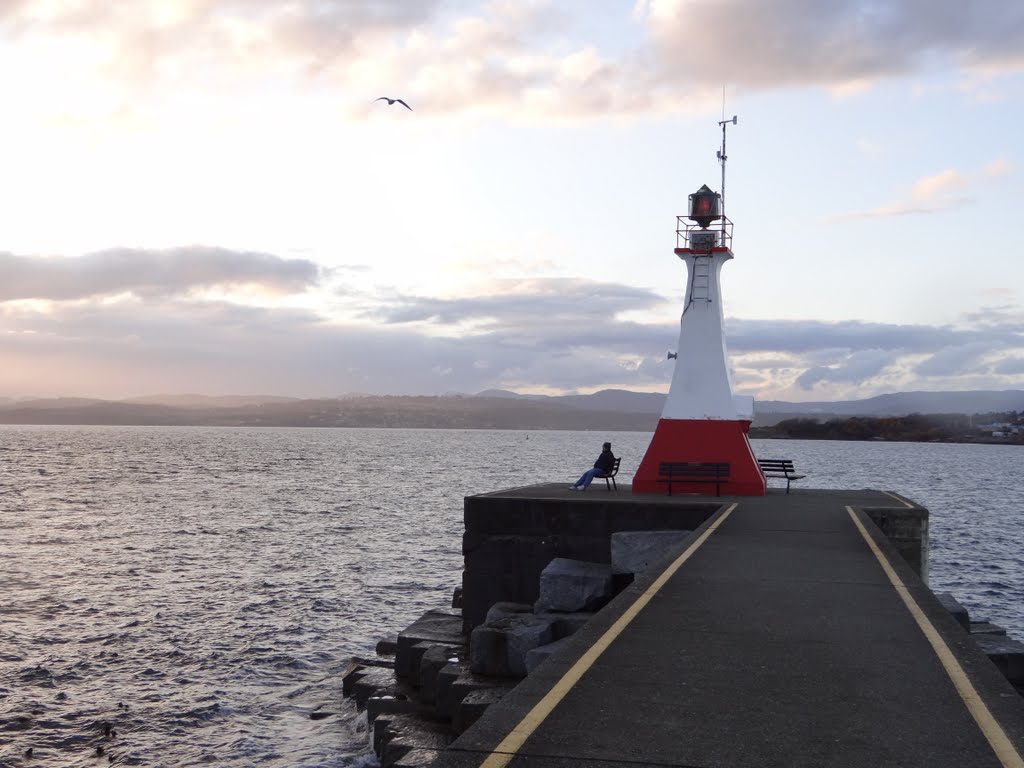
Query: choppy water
point(201, 590)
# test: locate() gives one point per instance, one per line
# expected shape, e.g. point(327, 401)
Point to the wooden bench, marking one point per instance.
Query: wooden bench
point(611, 476)
point(693, 472)
point(779, 468)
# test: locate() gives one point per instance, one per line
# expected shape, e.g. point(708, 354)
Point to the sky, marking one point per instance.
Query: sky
point(208, 196)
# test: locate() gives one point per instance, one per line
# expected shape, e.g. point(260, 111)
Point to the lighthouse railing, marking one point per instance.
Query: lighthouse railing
point(720, 232)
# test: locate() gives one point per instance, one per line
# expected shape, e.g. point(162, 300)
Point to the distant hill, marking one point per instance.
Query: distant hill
point(607, 410)
point(208, 401)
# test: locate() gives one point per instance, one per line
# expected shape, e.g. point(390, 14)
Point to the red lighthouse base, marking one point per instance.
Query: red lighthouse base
point(702, 440)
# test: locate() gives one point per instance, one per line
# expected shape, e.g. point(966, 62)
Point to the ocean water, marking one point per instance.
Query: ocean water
point(200, 590)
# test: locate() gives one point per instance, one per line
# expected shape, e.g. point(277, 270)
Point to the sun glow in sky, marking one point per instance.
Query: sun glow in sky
point(206, 196)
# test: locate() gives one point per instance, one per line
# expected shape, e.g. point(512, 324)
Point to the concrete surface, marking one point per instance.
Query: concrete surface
point(779, 642)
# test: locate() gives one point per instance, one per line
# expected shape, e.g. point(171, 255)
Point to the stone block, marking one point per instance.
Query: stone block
point(431, 664)
point(473, 706)
point(499, 647)
point(986, 628)
point(402, 734)
point(437, 627)
point(389, 704)
point(523, 637)
point(540, 654)
point(956, 610)
point(573, 585)
point(387, 646)
point(380, 729)
point(465, 684)
point(504, 610)
point(1006, 653)
point(907, 529)
point(635, 551)
point(397, 750)
point(565, 624)
point(417, 758)
point(367, 683)
point(444, 703)
point(488, 651)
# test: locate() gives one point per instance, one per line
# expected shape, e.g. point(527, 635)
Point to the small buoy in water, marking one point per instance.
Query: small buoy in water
point(107, 730)
point(28, 752)
point(99, 751)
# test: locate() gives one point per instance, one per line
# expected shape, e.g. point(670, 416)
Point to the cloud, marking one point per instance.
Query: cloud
point(525, 302)
point(856, 367)
point(966, 357)
point(803, 42)
point(543, 335)
point(174, 271)
point(935, 193)
point(497, 56)
point(805, 336)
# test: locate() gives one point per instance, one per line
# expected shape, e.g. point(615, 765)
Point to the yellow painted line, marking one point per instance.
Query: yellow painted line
point(904, 502)
point(506, 750)
point(1008, 755)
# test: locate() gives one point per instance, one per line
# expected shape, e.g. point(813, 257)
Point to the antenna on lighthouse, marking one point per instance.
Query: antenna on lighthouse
point(721, 155)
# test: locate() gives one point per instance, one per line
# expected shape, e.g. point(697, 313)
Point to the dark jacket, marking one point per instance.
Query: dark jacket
point(606, 461)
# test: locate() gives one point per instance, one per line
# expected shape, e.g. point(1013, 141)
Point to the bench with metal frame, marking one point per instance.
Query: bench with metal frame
point(781, 468)
point(705, 472)
point(610, 476)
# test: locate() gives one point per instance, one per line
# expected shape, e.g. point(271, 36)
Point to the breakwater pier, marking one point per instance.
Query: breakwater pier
point(785, 630)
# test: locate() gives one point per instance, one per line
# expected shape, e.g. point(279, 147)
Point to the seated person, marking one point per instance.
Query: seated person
point(604, 465)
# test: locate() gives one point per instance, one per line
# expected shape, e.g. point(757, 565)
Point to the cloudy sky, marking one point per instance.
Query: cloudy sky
point(205, 196)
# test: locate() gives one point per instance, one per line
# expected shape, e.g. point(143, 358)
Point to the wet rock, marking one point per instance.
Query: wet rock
point(374, 681)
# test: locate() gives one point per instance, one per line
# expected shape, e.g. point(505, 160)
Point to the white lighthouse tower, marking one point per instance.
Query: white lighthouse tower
point(703, 421)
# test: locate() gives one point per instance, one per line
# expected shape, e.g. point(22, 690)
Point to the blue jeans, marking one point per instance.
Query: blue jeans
point(587, 477)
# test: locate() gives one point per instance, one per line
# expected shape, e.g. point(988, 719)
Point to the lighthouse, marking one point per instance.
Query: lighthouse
point(703, 421)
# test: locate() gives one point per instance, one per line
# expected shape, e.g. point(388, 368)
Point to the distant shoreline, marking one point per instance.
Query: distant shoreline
point(605, 411)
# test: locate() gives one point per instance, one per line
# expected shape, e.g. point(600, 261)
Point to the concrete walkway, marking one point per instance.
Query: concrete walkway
point(775, 638)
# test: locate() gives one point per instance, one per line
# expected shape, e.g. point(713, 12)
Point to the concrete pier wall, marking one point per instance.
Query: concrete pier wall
point(907, 529)
point(510, 536)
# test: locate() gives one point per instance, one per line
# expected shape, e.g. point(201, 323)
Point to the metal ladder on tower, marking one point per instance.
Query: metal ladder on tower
point(700, 285)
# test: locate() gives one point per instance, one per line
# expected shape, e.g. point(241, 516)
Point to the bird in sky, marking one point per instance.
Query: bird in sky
point(391, 101)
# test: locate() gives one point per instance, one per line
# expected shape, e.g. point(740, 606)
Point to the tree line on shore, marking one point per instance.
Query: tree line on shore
point(916, 427)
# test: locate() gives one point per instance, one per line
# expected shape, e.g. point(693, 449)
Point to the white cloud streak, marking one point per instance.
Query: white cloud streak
point(151, 272)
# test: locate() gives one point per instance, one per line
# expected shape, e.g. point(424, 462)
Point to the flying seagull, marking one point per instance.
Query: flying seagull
point(392, 101)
